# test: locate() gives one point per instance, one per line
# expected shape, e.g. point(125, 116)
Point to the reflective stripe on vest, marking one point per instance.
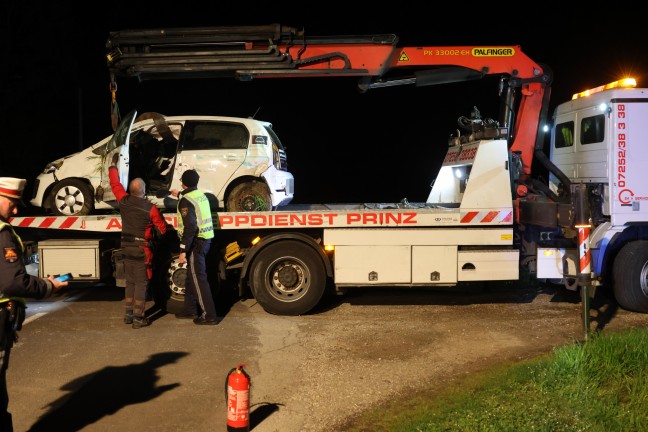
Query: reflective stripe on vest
point(203, 214)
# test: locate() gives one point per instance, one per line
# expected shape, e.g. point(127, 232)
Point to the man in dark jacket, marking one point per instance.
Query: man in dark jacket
point(139, 218)
point(15, 283)
point(196, 232)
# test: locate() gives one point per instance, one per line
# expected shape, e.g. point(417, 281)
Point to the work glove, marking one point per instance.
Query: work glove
point(115, 159)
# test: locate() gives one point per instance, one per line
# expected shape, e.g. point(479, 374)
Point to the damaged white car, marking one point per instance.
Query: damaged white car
point(241, 162)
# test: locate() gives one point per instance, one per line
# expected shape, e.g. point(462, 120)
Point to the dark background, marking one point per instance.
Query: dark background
point(343, 146)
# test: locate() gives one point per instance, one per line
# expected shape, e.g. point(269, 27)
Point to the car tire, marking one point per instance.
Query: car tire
point(249, 196)
point(71, 197)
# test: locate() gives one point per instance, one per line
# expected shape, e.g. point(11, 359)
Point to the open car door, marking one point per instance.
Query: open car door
point(118, 144)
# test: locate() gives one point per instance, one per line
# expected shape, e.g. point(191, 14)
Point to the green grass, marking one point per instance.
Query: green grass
point(600, 385)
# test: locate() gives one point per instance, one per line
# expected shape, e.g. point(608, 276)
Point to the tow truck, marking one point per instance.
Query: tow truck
point(579, 221)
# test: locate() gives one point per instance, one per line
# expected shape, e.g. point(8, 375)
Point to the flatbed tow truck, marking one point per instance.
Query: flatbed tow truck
point(488, 217)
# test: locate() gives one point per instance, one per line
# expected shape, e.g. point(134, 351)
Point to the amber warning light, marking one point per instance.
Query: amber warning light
point(624, 83)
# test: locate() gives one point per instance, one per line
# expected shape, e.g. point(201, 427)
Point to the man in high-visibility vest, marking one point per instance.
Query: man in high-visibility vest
point(196, 231)
point(15, 283)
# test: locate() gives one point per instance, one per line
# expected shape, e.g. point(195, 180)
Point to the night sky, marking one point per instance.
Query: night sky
point(343, 146)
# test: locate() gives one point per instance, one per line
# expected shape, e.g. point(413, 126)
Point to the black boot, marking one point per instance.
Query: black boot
point(139, 322)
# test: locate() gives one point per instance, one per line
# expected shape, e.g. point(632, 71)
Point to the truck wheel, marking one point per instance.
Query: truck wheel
point(71, 197)
point(176, 280)
point(288, 278)
point(249, 196)
point(631, 276)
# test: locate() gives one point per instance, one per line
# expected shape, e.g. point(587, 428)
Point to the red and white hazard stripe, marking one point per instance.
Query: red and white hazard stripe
point(110, 223)
point(482, 217)
point(96, 223)
point(45, 222)
point(584, 251)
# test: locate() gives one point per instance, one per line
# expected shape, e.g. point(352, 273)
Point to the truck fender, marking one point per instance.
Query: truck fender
point(314, 243)
point(606, 240)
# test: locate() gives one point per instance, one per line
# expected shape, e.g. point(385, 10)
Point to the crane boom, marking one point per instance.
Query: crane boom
point(275, 51)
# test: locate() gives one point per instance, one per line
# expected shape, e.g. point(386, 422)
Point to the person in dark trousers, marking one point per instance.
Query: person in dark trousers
point(139, 220)
point(15, 284)
point(196, 231)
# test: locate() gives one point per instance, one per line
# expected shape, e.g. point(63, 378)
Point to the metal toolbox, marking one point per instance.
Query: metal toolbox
point(87, 260)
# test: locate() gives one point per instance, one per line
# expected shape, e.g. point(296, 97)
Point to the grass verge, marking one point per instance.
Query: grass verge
point(597, 385)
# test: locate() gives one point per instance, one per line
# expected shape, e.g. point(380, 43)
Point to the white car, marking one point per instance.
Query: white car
point(241, 163)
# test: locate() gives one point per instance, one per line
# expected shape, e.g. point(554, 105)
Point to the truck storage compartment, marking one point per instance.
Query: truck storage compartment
point(488, 265)
point(434, 264)
point(372, 265)
point(87, 260)
point(397, 264)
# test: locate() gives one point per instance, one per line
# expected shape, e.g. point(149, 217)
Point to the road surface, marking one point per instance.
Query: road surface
point(77, 367)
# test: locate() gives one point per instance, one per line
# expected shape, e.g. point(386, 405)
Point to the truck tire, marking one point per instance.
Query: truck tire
point(631, 276)
point(71, 197)
point(249, 196)
point(288, 278)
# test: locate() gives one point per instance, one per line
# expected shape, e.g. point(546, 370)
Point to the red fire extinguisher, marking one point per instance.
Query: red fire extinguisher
point(238, 400)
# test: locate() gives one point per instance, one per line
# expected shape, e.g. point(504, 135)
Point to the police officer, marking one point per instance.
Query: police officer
point(196, 232)
point(15, 283)
point(139, 218)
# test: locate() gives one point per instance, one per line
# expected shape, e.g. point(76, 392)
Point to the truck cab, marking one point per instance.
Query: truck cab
point(599, 142)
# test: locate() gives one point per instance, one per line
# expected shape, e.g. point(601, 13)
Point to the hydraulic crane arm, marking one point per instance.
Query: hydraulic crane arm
point(285, 52)
point(276, 51)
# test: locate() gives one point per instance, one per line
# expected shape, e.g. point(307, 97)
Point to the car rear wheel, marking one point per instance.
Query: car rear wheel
point(71, 197)
point(249, 196)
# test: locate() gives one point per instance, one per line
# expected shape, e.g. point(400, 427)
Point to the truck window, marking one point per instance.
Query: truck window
point(564, 134)
point(592, 129)
point(215, 135)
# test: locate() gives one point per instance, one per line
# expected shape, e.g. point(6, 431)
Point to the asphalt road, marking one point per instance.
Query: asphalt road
point(77, 367)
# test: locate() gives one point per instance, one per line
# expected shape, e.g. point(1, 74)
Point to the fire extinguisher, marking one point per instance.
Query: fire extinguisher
point(237, 388)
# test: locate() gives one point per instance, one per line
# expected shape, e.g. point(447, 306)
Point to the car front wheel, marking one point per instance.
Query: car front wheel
point(71, 197)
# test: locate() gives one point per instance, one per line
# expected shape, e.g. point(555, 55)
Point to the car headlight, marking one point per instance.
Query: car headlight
point(53, 166)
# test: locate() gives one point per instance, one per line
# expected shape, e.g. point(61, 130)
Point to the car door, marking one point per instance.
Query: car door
point(118, 145)
point(216, 149)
